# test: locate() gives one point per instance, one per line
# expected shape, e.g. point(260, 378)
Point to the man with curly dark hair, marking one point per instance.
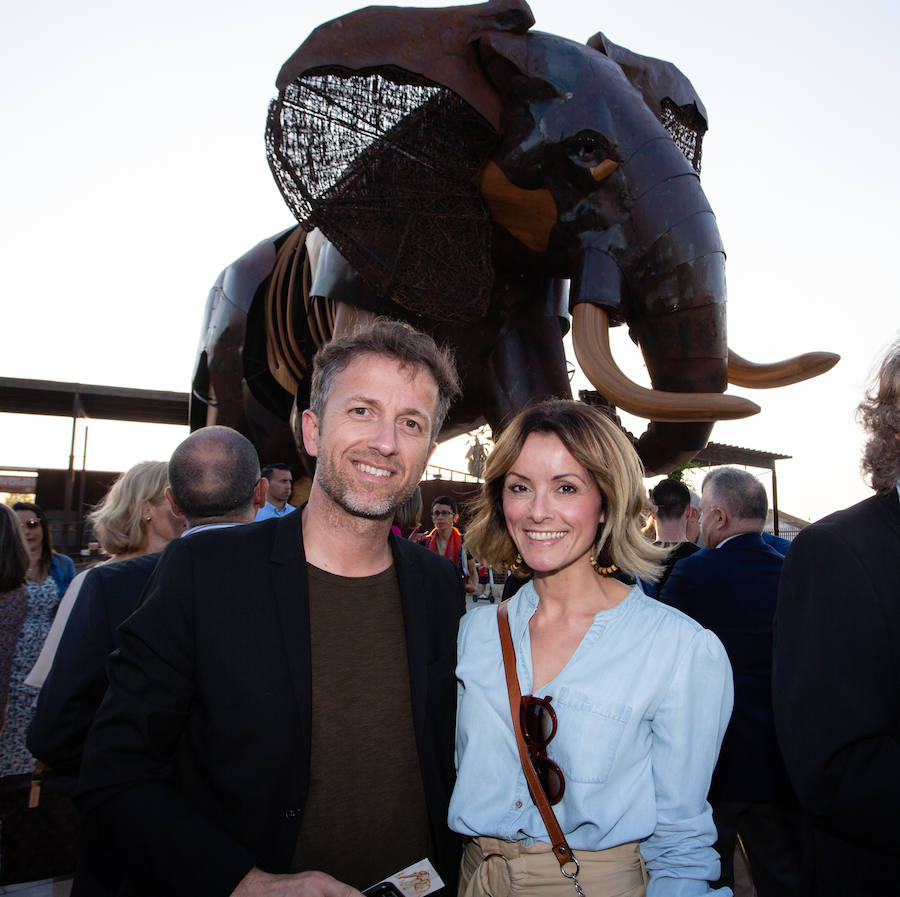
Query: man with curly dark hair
point(835, 683)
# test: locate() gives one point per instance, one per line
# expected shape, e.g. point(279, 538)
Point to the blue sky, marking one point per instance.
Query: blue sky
point(134, 170)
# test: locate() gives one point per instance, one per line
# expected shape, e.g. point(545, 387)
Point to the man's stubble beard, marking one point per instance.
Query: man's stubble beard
point(334, 485)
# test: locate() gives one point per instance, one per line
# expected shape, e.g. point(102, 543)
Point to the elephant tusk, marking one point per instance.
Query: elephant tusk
point(590, 339)
point(604, 169)
point(779, 373)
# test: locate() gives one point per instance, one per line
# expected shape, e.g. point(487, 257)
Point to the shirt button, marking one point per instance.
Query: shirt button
point(291, 814)
point(518, 805)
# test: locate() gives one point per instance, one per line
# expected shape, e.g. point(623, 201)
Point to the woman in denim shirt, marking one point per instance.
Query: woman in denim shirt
point(642, 694)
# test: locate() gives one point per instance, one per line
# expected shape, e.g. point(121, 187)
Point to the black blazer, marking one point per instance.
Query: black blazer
point(76, 683)
point(836, 689)
point(198, 763)
point(732, 591)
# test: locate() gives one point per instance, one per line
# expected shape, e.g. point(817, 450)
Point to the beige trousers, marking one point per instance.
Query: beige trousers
point(494, 868)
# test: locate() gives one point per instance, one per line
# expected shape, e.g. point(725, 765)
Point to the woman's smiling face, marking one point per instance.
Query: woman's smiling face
point(552, 505)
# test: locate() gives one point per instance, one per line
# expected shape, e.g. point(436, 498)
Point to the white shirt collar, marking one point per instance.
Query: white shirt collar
point(724, 541)
point(200, 526)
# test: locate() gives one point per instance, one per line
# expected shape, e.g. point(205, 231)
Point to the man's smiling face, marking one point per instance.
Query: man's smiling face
point(374, 438)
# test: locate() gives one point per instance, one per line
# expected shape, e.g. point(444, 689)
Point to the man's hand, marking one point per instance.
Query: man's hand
point(257, 883)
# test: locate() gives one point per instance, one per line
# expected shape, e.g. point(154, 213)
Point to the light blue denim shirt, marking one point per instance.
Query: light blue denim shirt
point(642, 706)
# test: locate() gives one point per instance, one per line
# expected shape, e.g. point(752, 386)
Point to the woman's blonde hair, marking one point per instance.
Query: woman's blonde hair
point(599, 446)
point(117, 519)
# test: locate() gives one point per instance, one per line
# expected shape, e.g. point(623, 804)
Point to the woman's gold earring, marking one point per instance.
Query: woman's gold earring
point(602, 569)
point(518, 561)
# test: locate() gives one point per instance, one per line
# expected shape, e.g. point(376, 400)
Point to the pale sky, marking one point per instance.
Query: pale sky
point(134, 170)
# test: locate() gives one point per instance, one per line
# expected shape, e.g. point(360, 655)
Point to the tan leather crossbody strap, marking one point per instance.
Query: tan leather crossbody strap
point(561, 849)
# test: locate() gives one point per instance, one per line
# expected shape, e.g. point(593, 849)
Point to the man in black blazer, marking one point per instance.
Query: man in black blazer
point(214, 481)
point(281, 710)
point(731, 587)
point(836, 679)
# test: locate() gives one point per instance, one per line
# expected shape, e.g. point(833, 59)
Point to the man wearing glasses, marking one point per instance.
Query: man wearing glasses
point(446, 540)
point(284, 699)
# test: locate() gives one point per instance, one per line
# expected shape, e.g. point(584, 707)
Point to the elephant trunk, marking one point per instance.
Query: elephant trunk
point(671, 291)
point(681, 421)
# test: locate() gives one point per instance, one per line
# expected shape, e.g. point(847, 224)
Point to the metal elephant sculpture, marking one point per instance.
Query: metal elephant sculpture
point(483, 181)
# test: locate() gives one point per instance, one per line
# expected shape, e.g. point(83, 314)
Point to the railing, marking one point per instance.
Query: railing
point(436, 472)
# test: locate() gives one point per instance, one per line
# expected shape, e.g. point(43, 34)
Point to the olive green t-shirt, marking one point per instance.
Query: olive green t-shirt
point(365, 817)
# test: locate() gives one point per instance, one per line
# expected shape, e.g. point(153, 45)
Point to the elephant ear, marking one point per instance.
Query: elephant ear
point(378, 135)
point(666, 91)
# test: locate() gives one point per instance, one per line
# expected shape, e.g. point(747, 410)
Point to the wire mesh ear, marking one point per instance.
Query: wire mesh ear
point(387, 163)
point(383, 122)
point(667, 92)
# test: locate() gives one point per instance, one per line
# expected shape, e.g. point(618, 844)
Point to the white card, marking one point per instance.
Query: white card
point(417, 880)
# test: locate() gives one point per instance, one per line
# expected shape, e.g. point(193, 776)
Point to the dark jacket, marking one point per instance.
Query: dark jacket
point(732, 590)
point(198, 763)
point(76, 683)
point(836, 689)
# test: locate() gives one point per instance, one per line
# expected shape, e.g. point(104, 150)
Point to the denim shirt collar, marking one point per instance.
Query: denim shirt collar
point(522, 608)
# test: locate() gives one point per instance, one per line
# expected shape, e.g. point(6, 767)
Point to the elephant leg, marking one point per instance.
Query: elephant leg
point(527, 363)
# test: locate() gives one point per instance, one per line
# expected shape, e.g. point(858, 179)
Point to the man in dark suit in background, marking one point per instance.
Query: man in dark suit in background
point(731, 587)
point(836, 684)
point(214, 481)
point(281, 709)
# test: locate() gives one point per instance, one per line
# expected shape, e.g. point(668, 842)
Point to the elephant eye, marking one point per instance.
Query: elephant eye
point(589, 148)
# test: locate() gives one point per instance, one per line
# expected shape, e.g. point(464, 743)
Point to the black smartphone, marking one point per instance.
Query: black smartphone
point(383, 889)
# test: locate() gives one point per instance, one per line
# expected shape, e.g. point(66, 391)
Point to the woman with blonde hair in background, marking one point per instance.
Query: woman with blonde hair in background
point(133, 518)
point(625, 700)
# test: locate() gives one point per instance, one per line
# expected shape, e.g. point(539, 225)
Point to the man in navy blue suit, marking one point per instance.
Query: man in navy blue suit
point(731, 587)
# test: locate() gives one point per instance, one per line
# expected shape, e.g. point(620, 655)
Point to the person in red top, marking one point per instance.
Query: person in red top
point(446, 539)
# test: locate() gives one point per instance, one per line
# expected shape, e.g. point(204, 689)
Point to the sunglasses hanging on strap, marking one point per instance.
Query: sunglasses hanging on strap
point(545, 779)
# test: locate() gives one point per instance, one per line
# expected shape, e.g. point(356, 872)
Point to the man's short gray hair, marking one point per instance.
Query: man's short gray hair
point(738, 492)
point(409, 347)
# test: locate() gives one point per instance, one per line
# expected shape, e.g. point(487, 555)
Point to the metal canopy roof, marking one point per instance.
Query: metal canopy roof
point(84, 400)
point(717, 453)
point(160, 407)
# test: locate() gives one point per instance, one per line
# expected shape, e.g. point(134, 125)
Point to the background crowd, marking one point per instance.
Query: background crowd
point(695, 689)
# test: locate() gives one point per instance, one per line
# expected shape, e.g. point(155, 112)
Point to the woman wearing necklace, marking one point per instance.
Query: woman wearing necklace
point(626, 700)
